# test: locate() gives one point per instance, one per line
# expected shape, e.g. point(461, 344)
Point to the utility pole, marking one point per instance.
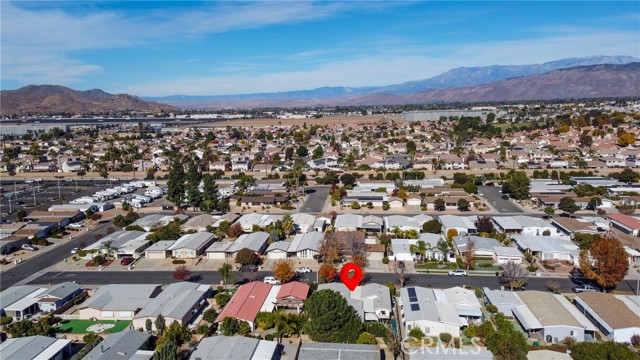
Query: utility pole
point(34, 194)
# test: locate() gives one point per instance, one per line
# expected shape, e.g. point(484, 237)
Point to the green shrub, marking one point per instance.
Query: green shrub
point(89, 338)
point(178, 262)
point(459, 262)
point(366, 338)
point(416, 333)
point(486, 265)
point(6, 320)
point(209, 315)
point(385, 260)
point(268, 337)
point(492, 308)
point(265, 320)
point(377, 329)
point(220, 289)
point(222, 299)
point(392, 288)
point(478, 292)
point(471, 330)
point(532, 268)
point(445, 337)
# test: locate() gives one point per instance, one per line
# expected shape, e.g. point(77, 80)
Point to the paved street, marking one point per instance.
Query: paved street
point(317, 196)
point(33, 266)
point(493, 196)
point(212, 277)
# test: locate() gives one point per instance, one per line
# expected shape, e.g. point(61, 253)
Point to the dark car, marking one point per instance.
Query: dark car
point(248, 268)
point(126, 261)
point(505, 197)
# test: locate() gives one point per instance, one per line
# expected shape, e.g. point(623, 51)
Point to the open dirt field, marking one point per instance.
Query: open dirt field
point(338, 120)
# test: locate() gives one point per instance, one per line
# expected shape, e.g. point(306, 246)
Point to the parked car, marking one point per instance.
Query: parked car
point(303, 270)
point(126, 261)
point(28, 247)
point(19, 202)
point(585, 288)
point(505, 197)
point(248, 268)
point(75, 250)
point(75, 226)
point(271, 280)
point(458, 272)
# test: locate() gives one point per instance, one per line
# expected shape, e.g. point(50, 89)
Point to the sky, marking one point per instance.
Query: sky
point(162, 48)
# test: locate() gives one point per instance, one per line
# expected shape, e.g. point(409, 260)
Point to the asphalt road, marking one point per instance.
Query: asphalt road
point(52, 257)
point(212, 277)
point(493, 196)
point(317, 195)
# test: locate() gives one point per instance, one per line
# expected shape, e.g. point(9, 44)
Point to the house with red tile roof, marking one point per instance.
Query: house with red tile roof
point(256, 296)
point(292, 295)
point(247, 302)
point(625, 223)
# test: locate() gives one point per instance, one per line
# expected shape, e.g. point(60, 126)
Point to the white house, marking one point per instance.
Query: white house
point(190, 246)
point(372, 302)
point(549, 247)
point(305, 246)
point(523, 225)
point(429, 310)
point(462, 224)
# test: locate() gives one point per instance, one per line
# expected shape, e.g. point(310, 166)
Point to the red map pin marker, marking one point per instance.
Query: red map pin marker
point(352, 282)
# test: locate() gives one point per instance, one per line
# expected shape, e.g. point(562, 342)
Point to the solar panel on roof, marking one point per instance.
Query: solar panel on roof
point(415, 307)
point(412, 295)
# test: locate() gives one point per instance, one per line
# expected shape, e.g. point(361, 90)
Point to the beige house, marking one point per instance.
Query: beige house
point(191, 246)
point(159, 250)
point(117, 301)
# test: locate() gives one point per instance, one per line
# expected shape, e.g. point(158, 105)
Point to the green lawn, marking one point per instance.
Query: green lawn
point(493, 267)
point(80, 326)
point(435, 266)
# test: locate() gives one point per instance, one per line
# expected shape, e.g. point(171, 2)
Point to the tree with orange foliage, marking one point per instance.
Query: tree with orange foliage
point(469, 255)
point(327, 272)
point(182, 273)
point(283, 270)
point(626, 139)
point(451, 233)
point(610, 262)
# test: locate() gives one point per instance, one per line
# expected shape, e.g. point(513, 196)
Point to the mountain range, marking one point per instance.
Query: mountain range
point(390, 94)
point(575, 78)
point(53, 99)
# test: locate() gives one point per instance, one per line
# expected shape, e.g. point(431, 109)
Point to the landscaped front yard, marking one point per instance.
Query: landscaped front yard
point(89, 326)
point(436, 265)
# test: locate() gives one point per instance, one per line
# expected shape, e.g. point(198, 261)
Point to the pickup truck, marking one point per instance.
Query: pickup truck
point(585, 288)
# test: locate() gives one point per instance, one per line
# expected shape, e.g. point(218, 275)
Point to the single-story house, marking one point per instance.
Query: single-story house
point(159, 250)
point(20, 301)
point(235, 347)
point(247, 221)
point(117, 301)
point(58, 296)
point(549, 247)
point(505, 301)
point(372, 302)
point(180, 302)
point(218, 250)
point(403, 223)
point(256, 242)
point(552, 317)
point(465, 302)
point(60, 218)
point(522, 225)
point(348, 222)
point(278, 250)
point(247, 302)
point(198, 223)
point(570, 226)
point(627, 224)
point(462, 224)
point(124, 243)
point(429, 310)
point(616, 316)
point(125, 345)
point(35, 348)
point(303, 223)
point(74, 207)
point(481, 246)
point(190, 246)
point(155, 221)
point(305, 246)
point(292, 295)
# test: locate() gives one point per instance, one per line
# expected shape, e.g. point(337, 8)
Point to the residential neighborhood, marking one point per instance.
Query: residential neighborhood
point(218, 241)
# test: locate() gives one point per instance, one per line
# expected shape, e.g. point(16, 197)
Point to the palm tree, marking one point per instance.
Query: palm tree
point(224, 271)
point(285, 325)
point(444, 247)
point(287, 224)
point(108, 248)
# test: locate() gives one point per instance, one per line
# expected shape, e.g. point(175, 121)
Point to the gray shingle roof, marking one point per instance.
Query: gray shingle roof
point(192, 241)
point(25, 348)
point(121, 346)
point(61, 291)
point(234, 347)
point(120, 297)
point(15, 293)
point(175, 301)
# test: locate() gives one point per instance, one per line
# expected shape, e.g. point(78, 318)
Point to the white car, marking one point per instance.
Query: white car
point(27, 247)
point(75, 226)
point(75, 250)
point(271, 280)
point(303, 270)
point(457, 272)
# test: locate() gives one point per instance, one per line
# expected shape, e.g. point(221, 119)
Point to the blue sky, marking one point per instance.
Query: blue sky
point(159, 48)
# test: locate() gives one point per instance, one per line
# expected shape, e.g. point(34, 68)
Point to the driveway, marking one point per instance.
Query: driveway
point(493, 196)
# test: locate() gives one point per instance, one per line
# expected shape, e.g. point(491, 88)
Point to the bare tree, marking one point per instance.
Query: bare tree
point(514, 275)
point(554, 286)
point(400, 271)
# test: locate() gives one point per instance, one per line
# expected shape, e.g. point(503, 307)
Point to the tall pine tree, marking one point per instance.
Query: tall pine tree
point(210, 194)
point(194, 196)
point(331, 319)
point(175, 184)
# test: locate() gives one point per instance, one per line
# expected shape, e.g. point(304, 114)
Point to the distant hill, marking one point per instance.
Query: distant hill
point(53, 99)
point(455, 78)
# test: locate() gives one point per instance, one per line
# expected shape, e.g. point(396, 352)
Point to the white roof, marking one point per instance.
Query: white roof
point(253, 241)
point(348, 220)
point(191, 241)
point(549, 244)
point(26, 301)
point(526, 317)
point(453, 221)
point(270, 302)
point(308, 241)
point(464, 300)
